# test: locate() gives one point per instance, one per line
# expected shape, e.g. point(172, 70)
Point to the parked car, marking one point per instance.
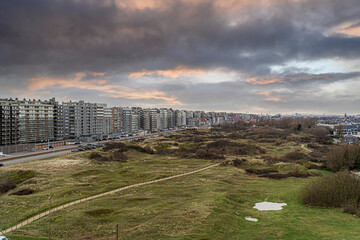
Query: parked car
point(1, 165)
point(81, 149)
point(51, 147)
point(74, 150)
point(45, 148)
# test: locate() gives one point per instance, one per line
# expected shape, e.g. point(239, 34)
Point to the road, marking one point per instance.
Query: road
point(34, 218)
point(32, 158)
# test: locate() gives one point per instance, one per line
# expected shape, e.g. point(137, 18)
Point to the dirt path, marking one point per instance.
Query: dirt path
point(306, 149)
point(32, 219)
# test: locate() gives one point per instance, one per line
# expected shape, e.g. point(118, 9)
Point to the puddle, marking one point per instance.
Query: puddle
point(251, 219)
point(269, 206)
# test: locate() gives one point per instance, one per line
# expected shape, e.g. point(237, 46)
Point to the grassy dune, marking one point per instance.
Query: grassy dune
point(211, 204)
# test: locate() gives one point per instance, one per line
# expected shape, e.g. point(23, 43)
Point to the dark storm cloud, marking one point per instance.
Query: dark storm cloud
point(72, 36)
point(60, 38)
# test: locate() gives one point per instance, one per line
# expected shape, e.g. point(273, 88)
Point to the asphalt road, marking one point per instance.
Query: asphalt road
point(31, 158)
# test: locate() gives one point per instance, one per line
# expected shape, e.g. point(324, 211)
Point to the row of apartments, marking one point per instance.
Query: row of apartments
point(34, 121)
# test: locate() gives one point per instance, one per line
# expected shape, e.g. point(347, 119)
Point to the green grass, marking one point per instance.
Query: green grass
point(211, 204)
point(208, 205)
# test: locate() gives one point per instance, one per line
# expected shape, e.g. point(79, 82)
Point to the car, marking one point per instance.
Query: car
point(80, 145)
point(81, 149)
point(51, 147)
point(1, 165)
point(74, 150)
point(45, 148)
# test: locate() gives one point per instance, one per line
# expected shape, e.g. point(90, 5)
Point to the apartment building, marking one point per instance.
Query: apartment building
point(150, 119)
point(130, 120)
point(58, 120)
point(163, 118)
point(36, 121)
point(9, 123)
point(116, 120)
point(84, 120)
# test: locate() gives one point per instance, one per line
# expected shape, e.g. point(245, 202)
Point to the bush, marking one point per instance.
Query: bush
point(6, 185)
point(119, 156)
point(26, 191)
point(205, 154)
point(343, 157)
point(274, 174)
point(94, 155)
point(260, 171)
point(115, 145)
point(334, 190)
point(294, 156)
point(237, 162)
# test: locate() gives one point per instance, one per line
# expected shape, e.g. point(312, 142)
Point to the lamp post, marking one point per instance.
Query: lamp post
point(117, 231)
point(49, 218)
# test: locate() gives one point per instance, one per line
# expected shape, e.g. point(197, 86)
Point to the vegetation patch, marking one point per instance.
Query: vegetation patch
point(274, 174)
point(25, 191)
point(6, 185)
point(18, 176)
point(101, 212)
point(343, 157)
point(337, 190)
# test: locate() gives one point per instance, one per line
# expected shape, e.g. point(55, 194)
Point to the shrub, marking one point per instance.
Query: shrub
point(119, 156)
point(260, 171)
point(6, 185)
point(343, 157)
point(271, 159)
point(94, 155)
point(332, 191)
point(115, 145)
point(26, 191)
point(206, 154)
point(237, 162)
point(351, 206)
point(294, 156)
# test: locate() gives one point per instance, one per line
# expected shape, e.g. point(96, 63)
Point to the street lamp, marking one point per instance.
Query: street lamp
point(49, 218)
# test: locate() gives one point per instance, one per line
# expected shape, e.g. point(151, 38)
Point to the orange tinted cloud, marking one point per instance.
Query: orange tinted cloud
point(263, 81)
point(108, 90)
point(172, 73)
point(352, 29)
point(95, 74)
point(269, 97)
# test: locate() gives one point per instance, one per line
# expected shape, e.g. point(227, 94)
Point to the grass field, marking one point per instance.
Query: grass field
point(207, 205)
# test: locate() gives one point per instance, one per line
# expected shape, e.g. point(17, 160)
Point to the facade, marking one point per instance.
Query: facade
point(116, 120)
point(58, 120)
point(84, 120)
point(163, 119)
point(9, 123)
point(36, 121)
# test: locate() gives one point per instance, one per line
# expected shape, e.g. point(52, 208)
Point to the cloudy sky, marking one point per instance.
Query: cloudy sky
point(263, 56)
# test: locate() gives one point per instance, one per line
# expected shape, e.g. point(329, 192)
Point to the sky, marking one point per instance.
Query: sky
point(263, 56)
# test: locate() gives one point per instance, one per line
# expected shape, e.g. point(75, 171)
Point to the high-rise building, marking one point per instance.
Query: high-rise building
point(163, 118)
point(83, 120)
point(170, 118)
point(9, 122)
point(58, 120)
point(116, 120)
point(36, 121)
